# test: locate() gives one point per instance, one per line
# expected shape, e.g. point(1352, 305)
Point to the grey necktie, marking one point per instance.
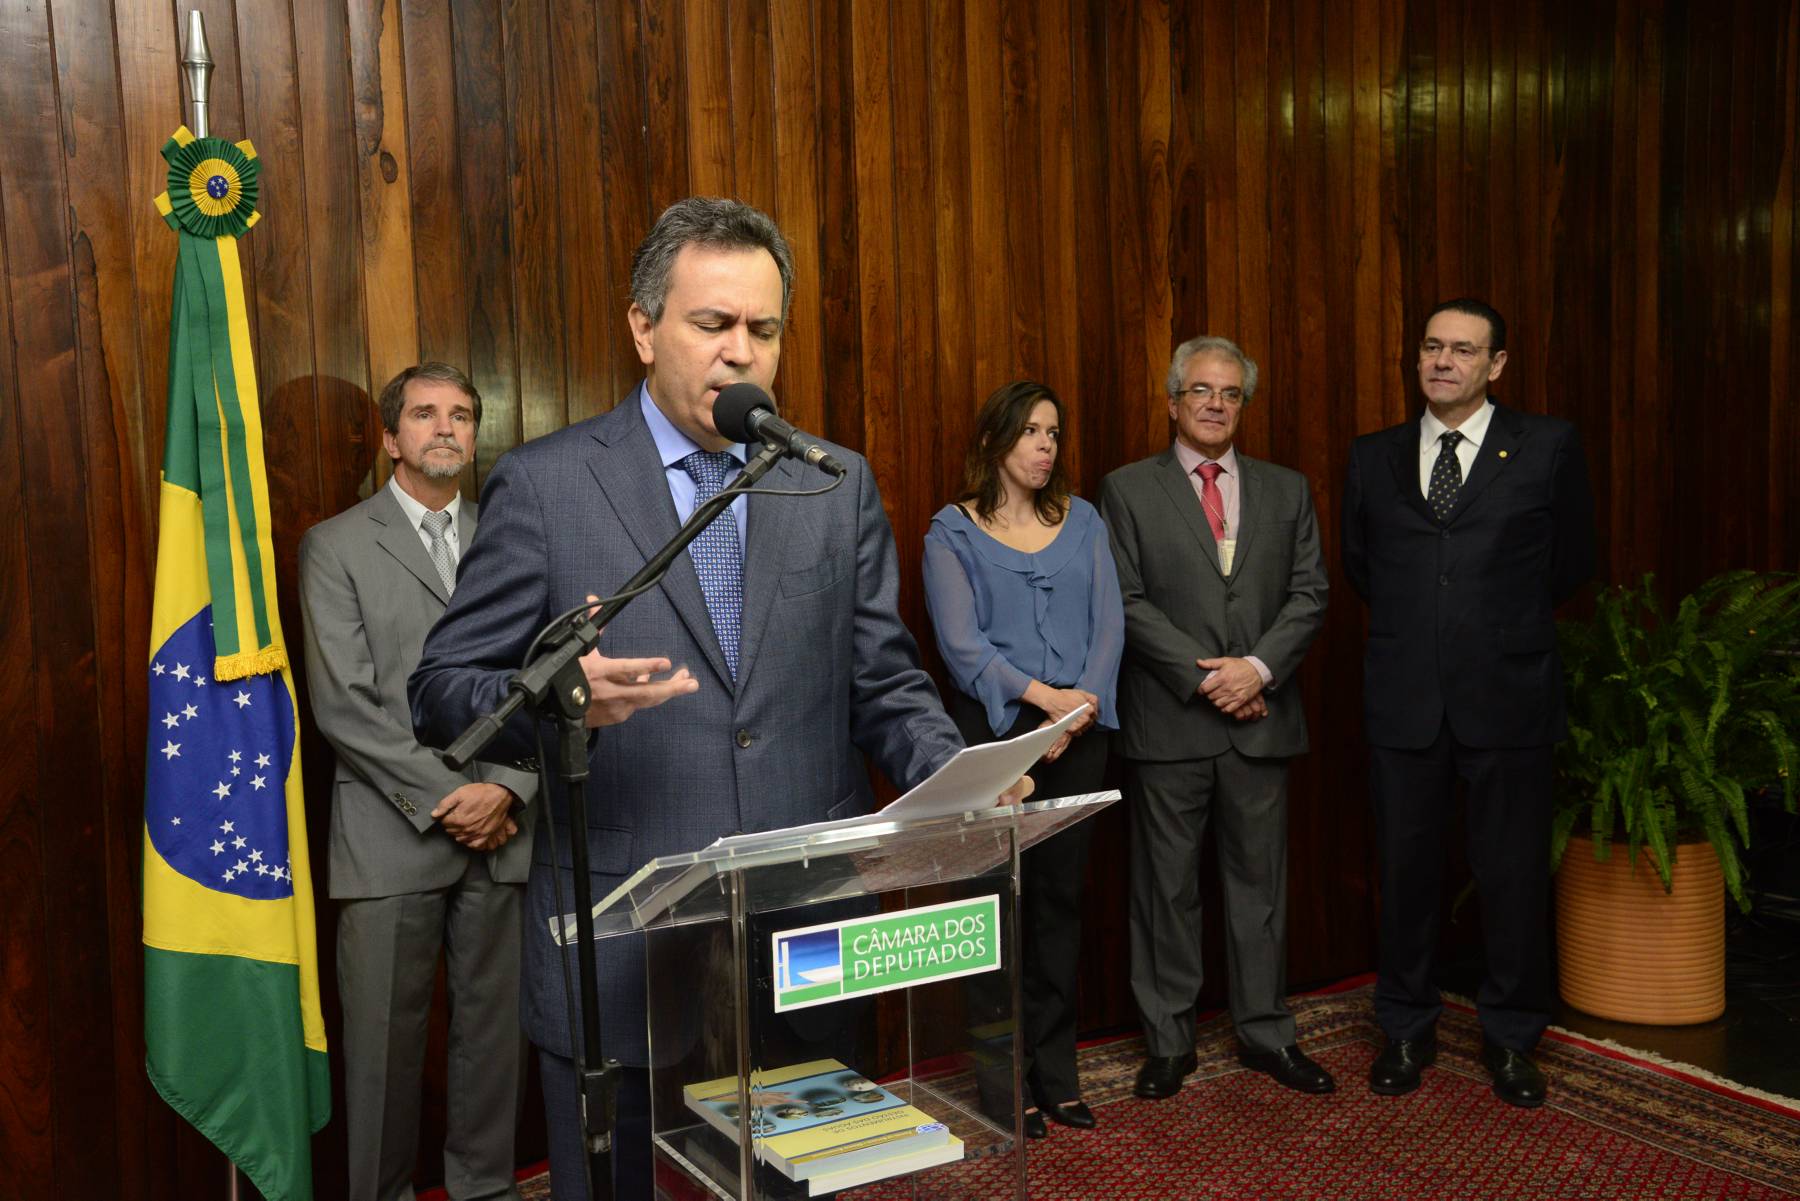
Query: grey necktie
point(436, 526)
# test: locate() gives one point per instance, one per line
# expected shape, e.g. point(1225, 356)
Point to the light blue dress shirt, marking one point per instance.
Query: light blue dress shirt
point(673, 446)
point(1004, 617)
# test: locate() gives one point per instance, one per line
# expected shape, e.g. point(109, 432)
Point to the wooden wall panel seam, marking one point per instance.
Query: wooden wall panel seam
point(105, 330)
point(26, 1138)
point(55, 551)
point(384, 176)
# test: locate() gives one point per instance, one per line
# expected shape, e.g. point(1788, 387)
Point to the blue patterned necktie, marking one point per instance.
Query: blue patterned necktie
point(718, 559)
point(1446, 477)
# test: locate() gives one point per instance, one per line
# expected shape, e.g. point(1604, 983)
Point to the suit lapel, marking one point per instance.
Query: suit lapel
point(397, 536)
point(1499, 449)
point(1249, 498)
point(1181, 494)
point(763, 560)
point(630, 474)
point(1403, 457)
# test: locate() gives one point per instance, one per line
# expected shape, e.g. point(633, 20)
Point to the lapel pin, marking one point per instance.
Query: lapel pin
point(1503, 454)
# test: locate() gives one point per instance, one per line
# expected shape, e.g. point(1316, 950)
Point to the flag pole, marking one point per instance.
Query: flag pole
point(197, 67)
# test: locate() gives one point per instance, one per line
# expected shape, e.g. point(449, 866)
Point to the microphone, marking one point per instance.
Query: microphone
point(744, 413)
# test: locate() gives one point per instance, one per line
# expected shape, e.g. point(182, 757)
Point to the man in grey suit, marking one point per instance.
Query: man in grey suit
point(423, 858)
point(1224, 590)
point(785, 611)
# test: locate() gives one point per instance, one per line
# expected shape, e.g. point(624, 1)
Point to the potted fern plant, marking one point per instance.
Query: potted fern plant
point(1672, 717)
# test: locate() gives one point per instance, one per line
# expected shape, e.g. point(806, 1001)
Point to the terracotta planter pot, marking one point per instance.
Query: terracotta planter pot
point(1633, 953)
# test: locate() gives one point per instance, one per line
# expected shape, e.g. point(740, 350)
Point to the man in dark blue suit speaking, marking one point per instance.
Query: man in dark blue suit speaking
point(784, 610)
point(1463, 530)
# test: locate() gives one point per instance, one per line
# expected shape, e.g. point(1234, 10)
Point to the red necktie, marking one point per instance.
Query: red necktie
point(1211, 499)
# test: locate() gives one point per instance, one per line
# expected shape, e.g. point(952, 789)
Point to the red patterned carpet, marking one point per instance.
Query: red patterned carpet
point(1616, 1127)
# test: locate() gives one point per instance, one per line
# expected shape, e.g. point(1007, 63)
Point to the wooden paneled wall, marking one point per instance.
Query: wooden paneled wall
point(975, 191)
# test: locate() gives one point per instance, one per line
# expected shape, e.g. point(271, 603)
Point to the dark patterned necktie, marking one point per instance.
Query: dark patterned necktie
point(1446, 477)
point(718, 559)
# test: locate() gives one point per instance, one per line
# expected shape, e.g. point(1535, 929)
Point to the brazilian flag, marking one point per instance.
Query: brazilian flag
point(232, 1027)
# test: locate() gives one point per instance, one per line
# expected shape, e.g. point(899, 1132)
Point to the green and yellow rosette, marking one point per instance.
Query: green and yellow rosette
point(212, 185)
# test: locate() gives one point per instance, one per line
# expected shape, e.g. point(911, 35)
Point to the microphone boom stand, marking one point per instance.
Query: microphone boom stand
point(556, 689)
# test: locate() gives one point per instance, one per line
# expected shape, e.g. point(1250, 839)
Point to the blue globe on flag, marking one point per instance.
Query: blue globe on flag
point(216, 805)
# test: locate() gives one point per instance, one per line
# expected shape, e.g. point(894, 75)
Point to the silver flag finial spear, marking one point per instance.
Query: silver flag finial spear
point(197, 65)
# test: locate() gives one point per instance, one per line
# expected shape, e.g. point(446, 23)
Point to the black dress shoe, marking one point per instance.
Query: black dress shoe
point(1396, 1070)
point(1517, 1080)
point(1290, 1067)
point(1070, 1113)
point(1161, 1075)
point(1034, 1125)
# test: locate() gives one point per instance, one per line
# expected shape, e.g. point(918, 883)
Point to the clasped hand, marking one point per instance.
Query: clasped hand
point(1234, 686)
point(1058, 703)
point(478, 815)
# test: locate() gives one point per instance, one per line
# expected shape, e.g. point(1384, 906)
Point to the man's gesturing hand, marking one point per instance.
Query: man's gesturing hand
point(617, 688)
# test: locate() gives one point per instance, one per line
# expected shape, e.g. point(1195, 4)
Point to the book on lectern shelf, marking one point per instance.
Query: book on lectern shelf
point(827, 1124)
point(948, 1151)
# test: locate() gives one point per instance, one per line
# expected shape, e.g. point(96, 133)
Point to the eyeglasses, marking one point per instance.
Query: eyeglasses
point(1462, 352)
point(1203, 393)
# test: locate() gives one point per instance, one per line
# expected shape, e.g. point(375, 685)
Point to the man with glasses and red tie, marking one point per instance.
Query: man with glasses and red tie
point(1463, 530)
point(1224, 591)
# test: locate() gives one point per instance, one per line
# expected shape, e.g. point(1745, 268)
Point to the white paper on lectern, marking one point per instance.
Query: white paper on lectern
point(973, 778)
point(977, 775)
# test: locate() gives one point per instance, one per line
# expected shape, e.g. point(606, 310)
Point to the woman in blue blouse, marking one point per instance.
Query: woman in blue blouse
point(1024, 598)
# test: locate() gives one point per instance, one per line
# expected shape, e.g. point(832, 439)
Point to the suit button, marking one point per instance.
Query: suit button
point(743, 738)
point(1446, 535)
point(1444, 580)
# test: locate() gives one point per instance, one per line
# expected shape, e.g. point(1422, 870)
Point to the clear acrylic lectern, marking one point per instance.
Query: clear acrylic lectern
point(835, 1007)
